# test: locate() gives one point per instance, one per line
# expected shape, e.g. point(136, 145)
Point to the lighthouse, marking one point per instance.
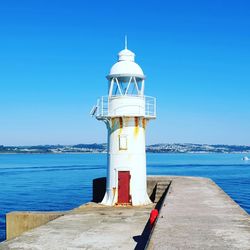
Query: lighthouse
point(126, 112)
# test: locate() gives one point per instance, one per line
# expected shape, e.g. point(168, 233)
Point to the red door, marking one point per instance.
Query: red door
point(123, 187)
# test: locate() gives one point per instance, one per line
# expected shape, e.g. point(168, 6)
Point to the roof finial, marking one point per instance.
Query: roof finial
point(126, 42)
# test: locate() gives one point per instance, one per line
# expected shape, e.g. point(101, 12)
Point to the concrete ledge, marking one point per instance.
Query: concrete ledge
point(20, 222)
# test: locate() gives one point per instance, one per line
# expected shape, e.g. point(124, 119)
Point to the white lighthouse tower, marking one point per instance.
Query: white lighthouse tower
point(126, 112)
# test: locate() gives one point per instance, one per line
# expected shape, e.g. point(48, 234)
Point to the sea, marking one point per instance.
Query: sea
point(56, 182)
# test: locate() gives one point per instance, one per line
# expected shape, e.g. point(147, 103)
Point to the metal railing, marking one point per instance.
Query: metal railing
point(101, 109)
point(103, 106)
point(150, 106)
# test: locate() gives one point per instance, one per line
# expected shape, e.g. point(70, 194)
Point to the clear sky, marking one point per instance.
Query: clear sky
point(54, 56)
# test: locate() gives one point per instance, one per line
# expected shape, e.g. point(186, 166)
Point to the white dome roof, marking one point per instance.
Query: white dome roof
point(126, 66)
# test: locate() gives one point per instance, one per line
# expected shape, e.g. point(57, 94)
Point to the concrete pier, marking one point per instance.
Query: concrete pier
point(195, 214)
point(88, 227)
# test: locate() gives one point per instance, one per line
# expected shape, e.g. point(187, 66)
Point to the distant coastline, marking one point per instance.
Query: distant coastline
point(102, 148)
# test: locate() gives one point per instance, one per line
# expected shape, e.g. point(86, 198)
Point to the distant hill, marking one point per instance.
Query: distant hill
point(196, 148)
point(56, 149)
point(102, 148)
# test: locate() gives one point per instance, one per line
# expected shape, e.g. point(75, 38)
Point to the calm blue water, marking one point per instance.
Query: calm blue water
point(61, 182)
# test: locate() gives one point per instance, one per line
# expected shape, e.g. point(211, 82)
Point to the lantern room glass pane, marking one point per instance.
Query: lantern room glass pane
point(127, 86)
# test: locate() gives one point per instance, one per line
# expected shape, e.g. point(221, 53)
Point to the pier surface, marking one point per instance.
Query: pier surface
point(91, 226)
point(195, 214)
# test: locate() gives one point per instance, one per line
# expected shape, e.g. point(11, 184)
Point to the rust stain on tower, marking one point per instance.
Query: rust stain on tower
point(144, 123)
point(136, 130)
point(112, 123)
point(120, 125)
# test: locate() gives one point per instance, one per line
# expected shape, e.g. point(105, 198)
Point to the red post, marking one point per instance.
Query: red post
point(153, 215)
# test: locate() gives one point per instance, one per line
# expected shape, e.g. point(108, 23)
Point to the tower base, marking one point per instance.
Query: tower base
point(111, 199)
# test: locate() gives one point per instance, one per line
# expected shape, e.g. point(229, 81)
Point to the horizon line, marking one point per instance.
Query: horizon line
point(158, 143)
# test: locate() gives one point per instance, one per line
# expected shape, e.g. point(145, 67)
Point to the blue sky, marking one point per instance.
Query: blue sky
point(54, 56)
